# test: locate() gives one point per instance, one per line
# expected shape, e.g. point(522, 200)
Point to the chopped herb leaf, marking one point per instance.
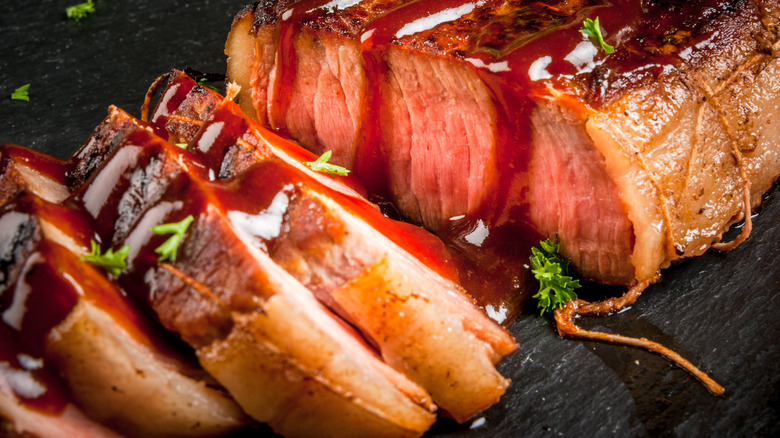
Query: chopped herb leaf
point(181, 145)
point(113, 262)
point(556, 287)
point(168, 249)
point(81, 10)
point(202, 83)
point(593, 29)
point(21, 93)
point(321, 165)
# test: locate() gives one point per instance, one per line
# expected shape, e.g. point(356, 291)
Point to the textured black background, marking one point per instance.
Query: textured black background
point(719, 310)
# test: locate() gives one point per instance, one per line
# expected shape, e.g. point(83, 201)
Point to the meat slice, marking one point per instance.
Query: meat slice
point(286, 359)
point(25, 169)
point(70, 320)
point(332, 243)
point(34, 401)
point(504, 115)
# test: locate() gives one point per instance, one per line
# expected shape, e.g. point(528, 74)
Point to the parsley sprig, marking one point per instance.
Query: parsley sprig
point(556, 287)
point(169, 248)
point(321, 165)
point(21, 93)
point(80, 11)
point(113, 262)
point(202, 82)
point(592, 29)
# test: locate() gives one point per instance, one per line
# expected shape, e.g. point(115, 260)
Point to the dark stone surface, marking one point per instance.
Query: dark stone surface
point(718, 310)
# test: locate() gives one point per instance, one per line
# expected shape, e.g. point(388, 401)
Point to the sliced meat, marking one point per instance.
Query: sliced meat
point(255, 328)
point(590, 215)
point(33, 400)
point(72, 320)
point(505, 114)
point(17, 421)
point(89, 156)
point(332, 244)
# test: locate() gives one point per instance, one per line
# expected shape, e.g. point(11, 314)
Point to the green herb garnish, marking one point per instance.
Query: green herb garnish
point(81, 10)
point(202, 82)
point(321, 165)
point(113, 262)
point(593, 29)
point(21, 93)
point(181, 145)
point(167, 250)
point(556, 287)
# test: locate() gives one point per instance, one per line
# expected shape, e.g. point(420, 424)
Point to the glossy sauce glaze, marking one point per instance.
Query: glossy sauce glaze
point(230, 144)
point(523, 51)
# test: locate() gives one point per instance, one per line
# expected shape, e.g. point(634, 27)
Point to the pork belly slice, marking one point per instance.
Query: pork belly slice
point(34, 401)
point(127, 168)
point(505, 119)
point(351, 267)
point(17, 421)
point(25, 169)
point(69, 316)
point(326, 239)
point(286, 359)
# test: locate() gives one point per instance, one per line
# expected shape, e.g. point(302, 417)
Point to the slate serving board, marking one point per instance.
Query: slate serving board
point(718, 310)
